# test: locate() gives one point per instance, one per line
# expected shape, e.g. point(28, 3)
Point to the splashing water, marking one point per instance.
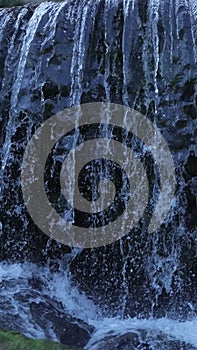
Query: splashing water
point(15, 280)
point(142, 55)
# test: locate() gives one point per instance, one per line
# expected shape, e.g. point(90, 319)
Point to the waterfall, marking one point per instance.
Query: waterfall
point(86, 58)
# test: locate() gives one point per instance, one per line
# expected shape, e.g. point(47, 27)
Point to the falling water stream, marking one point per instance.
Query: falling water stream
point(141, 54)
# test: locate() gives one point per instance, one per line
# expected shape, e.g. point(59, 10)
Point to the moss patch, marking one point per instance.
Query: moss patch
point(15, 341)
point(10, 3)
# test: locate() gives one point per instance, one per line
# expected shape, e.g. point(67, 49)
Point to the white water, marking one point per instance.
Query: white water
point(183, 331)
point(58, 286)
point(85, 13)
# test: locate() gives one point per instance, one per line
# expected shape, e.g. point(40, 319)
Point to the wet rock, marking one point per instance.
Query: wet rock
point(68, 330)
point(142, 340)
point(129, 57)
point(28, 301)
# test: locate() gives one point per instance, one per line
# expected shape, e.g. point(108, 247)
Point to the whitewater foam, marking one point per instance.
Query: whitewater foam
point(58, 286)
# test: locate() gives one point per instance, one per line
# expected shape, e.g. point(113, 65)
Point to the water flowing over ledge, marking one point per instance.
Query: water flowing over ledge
point(141, 54)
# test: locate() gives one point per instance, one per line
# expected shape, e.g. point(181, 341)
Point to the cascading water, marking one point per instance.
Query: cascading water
point(139, 291)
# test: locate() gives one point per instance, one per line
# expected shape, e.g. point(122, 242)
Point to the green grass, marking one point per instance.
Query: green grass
point(14, 341)
point(10, 3)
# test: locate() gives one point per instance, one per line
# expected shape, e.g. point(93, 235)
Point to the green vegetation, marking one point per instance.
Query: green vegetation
point(15, 341)
point(10, 3)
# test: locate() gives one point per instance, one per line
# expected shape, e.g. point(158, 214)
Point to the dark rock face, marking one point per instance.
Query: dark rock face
point(68, 330)
point(57, 55)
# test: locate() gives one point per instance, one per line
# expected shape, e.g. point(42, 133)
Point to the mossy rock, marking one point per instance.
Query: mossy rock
point(10, 3)
point(14, 341)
